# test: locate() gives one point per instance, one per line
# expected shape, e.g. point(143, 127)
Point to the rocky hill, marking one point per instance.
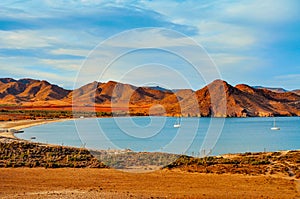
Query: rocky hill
point(296, 91)
point(243, 100)
point(25, 90)
point(218, 99)
point(114, 92)
point(276, 90)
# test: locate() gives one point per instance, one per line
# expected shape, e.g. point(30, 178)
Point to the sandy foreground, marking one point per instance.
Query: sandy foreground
point(110, 183)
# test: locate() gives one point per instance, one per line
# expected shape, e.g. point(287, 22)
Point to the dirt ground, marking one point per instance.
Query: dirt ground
point(109, 183)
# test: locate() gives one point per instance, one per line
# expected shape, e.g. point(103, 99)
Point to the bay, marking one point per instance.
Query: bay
point(196, 136)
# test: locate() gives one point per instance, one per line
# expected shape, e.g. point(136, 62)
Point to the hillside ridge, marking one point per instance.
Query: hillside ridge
point(217, 99)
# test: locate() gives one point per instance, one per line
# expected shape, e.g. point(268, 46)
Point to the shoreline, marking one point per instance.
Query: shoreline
point(261, 174)
point(27, 123)
point(23, 124)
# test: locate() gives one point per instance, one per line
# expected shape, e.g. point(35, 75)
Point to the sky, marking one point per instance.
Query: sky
point(174, 44)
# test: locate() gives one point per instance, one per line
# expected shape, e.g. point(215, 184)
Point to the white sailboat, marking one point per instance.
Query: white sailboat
point(177, 123)
point(275, 128)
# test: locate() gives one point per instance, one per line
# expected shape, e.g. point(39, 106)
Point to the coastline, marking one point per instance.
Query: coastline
point(27, 123)
point(250, 175)
point(252, 158)
point(23, 124)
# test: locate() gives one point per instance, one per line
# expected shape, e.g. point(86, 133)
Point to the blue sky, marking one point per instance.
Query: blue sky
point(253, 42)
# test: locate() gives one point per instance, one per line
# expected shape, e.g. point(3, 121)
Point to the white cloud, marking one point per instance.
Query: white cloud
point(23, 72)
point(75, 52)
point(220, 35)
point(149, 37)
point(255, 11)
point(65, 65)
point(289, 76)
point(147, 74)
point(230, 24)
point(267, 11)
point(122, 53)
point(235, 33)
point(24, 39)
point(226, 59)
point(25, 67)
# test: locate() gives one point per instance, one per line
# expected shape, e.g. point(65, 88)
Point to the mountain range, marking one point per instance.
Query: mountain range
point(218, 99)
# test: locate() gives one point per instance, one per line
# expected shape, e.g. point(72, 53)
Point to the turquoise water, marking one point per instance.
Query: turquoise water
point(196, 136)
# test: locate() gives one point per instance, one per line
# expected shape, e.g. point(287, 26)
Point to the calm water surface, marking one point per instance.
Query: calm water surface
point(197, 136)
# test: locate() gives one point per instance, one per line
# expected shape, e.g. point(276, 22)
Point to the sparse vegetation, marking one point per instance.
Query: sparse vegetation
point(25, 154)
point(15, 114)
point(18, 153)
point(130, 159)
point(48, 114)
point(287, 163)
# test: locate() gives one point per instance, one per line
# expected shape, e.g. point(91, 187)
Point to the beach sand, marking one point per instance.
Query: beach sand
point(22, 124)
point(111, 183)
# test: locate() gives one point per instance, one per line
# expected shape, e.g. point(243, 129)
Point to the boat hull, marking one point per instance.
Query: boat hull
point(176, 125)
point(275, 128)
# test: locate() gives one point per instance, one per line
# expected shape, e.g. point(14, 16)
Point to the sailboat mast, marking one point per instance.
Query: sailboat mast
point(274, 125)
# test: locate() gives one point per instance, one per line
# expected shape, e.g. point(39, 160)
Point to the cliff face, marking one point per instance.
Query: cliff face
point(218, 98)
point(243, 100)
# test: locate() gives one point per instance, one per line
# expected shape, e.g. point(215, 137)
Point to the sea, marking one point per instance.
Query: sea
point(196, 136)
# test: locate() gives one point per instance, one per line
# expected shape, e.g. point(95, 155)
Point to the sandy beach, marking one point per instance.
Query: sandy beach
point(22, 124)
point(111, 183)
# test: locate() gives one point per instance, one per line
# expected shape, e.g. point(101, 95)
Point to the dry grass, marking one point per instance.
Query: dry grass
point(285, 163)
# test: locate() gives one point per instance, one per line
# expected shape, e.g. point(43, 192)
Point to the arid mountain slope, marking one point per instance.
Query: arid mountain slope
point(218, 99)
point(276, 90)
point(116, 93)
point(29, 90)
point(296, 91)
